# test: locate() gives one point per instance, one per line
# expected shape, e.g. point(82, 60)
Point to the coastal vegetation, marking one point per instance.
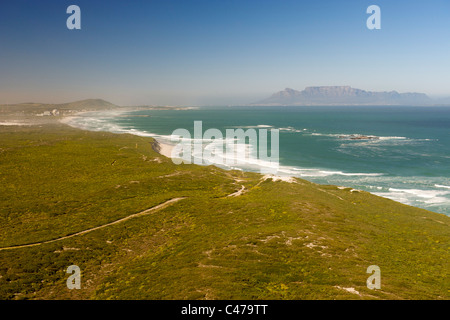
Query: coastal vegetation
point(270, 239)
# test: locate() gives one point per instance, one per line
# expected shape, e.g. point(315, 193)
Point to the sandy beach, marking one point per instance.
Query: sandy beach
point(164, 149)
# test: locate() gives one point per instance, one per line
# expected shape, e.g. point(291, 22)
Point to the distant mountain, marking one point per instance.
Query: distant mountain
point(88, 104)
point(344, 95)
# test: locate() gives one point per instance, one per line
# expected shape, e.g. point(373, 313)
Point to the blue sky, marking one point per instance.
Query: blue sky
point(197, 52)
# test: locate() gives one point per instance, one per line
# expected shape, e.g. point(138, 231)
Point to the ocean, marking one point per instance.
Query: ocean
point(401, 152)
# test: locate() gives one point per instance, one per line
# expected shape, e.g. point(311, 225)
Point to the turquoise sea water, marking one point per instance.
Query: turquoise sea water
point(407, 159)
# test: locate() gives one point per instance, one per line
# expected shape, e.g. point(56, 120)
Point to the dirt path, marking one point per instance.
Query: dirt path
point(237, 193)
point(139, 214)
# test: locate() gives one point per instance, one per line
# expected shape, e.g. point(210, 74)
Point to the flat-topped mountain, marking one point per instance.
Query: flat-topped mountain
point(344, 95)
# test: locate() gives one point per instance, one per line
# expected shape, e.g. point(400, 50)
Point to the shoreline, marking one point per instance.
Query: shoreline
point(162, 148)
point(159, 146)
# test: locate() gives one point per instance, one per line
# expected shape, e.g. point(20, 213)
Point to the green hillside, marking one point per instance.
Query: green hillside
point(35, 108)
point(277, 240)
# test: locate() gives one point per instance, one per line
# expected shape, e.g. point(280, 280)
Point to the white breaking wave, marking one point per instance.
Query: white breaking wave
point(266, 126)
point(393, 138)
point(313, 172)
point(102, 121)
point(262, 126)
point(441, 186)
point(357, 136)
point(414, 196)
point(427, 194)
point(291, 129)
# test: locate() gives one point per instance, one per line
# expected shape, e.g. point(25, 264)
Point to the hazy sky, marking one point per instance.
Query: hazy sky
point(217, 52)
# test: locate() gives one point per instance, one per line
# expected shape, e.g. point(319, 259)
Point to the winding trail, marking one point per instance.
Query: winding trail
point(136, 215)
point(237, 193)
point(139, 214)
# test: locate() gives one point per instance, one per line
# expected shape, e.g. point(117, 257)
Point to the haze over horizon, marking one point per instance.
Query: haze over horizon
point(213, 52)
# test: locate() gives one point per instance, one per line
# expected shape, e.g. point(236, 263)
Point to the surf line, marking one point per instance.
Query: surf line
point(139, 214)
